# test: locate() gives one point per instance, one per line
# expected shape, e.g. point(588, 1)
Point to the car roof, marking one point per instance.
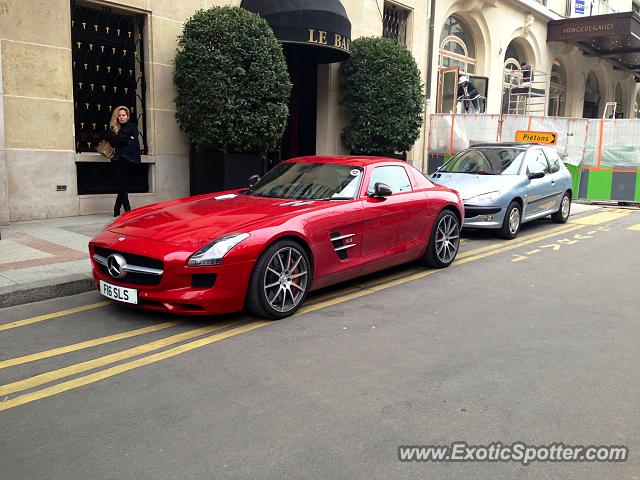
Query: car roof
point(355, 160)
point(506, 144)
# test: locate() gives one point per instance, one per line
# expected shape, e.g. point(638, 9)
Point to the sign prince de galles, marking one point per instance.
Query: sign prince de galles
point(583, 28)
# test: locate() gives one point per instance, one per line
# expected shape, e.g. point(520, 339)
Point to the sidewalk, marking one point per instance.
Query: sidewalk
point(42, 259)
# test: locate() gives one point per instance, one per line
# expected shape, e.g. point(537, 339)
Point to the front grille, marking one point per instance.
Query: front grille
point(135, 278)
point(131, 258)
point(132, 278)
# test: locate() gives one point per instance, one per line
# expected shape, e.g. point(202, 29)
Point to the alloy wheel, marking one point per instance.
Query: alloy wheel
point(285, 279)
point(447, 238)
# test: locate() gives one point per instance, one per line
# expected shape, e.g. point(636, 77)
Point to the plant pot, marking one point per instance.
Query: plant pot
point(216, 171)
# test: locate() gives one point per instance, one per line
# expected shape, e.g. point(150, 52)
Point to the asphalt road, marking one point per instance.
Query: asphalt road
point(533, 340)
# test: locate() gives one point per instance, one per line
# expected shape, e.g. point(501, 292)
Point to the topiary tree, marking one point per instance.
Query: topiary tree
point(383, 96)
point(231, 81)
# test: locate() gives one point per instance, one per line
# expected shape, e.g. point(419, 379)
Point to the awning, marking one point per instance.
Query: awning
point(615, 37)
point(319, 28)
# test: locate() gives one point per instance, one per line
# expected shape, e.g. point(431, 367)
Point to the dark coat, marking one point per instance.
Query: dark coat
point(125, 142)
point(473, 93)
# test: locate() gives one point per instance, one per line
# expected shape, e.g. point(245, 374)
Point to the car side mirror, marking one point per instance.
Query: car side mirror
point(253, 180)
point(381, 190)
point(533, 176)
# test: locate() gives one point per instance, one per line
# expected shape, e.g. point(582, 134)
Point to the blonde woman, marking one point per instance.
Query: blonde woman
point(123, 136)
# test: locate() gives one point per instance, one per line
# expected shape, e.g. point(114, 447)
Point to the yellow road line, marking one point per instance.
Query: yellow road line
point(109, 372)
point(601, 217)
point(522, 238)
point(12, 362)
point(418, 271)
point(518, 245)
point(108, 359)
point(635, 227)
point(421, 274)
point(125, 367)
point(313, 299)
point(48, 316)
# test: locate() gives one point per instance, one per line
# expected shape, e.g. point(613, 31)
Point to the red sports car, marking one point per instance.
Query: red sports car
point(308, 223)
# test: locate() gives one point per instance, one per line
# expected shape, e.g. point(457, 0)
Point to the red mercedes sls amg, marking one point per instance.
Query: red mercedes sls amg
point(308, 223)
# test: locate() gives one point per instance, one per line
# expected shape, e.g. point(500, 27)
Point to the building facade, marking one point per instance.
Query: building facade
point(492, 40)
point(65, 65)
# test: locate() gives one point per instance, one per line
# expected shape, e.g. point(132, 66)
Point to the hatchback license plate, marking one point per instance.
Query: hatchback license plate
point(121, 294)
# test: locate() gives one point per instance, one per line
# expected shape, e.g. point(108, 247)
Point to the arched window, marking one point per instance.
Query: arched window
point(591, 105)
point(557, 90)
point(514, 58)
point(515, 53)
point(457, 48)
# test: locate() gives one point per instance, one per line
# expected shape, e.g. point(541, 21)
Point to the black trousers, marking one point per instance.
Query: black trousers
point(121, 171)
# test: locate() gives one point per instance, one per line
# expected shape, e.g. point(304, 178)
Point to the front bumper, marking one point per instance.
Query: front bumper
point(488, 217)
point(176, 291)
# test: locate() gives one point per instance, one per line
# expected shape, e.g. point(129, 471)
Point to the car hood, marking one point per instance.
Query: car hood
point(469, 185)
point(197, 220)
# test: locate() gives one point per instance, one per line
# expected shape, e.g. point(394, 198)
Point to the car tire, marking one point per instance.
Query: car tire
point(280, 281)
point(444, 241)
point(512, 221)
point(562, 215)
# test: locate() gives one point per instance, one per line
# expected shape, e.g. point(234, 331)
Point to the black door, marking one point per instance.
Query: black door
point(299, 138)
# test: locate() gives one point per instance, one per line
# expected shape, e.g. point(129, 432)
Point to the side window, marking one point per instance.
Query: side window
point(554, 161)
point(537, 162)
point(395, 177)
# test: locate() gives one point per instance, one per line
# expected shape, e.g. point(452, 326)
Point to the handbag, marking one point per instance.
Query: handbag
point(105, 149)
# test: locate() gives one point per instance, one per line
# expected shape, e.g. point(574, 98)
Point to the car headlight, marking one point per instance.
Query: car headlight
point(484, 199)
point(212, 253)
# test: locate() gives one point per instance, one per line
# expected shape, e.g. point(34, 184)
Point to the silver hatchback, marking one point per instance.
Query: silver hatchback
point(504, 185)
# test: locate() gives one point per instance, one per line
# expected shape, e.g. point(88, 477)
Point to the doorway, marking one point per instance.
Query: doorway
point(591, 106)
point(299, 138)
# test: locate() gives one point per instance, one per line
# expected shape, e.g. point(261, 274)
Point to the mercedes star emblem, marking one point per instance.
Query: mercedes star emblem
point(116, 265)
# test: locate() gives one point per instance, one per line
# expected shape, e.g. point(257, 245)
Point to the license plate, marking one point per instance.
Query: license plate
point(121, 294)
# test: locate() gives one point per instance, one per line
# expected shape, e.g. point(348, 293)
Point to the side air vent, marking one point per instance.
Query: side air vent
point(340, 244)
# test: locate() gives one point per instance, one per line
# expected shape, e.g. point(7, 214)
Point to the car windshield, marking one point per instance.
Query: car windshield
point(309, 181)
point(486, 161)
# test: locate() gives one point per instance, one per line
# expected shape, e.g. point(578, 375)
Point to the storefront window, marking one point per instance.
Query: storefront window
point(107, 65)
point(557, 91)
point(108, 71)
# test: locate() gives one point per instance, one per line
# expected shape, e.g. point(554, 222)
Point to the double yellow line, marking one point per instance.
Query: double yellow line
point(216, 332)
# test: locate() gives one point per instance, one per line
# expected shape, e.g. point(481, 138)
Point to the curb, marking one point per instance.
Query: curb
point(45, 290)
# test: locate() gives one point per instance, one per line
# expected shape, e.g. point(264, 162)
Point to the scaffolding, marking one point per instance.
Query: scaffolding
point(525, 92)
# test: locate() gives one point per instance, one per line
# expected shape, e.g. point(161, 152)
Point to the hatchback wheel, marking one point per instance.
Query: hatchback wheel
point(512, 220)
point(444, 241)
point(280, 281)
point(562, 215)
